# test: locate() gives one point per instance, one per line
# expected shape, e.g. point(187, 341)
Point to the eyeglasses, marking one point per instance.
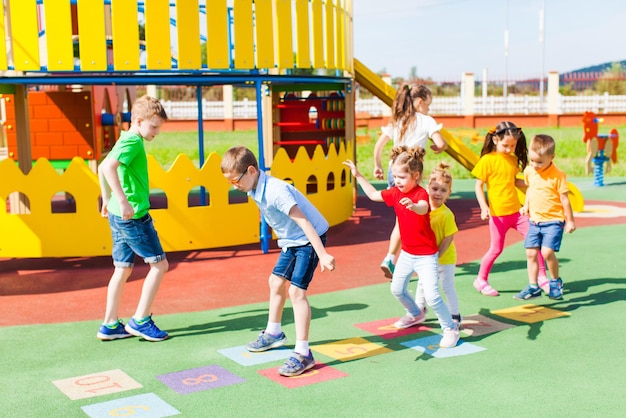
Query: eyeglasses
point(236, 182)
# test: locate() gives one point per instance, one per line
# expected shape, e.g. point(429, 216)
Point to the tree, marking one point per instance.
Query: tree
point(612, 80)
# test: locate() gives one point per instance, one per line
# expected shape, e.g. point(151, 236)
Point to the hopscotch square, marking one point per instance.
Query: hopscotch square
point(147, 405)
point(319, 373)
point(530, 313)
point(477, 325)
point(244, 357)
point(430, 346)
point(199, 379)
point(351, 349)
point(96, 384)
point(384, 328)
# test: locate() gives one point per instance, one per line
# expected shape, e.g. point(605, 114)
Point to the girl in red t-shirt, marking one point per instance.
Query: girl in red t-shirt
point(419, 245)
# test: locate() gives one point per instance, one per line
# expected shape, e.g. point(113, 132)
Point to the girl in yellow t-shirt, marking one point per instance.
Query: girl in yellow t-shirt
point(503, 156)
point(443, 224)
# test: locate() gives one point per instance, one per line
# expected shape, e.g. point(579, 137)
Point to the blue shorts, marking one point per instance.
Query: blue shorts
point(134, 236)
point(545, 234)
point(297, 264)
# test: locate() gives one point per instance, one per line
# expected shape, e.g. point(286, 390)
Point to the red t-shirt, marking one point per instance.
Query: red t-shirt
point(417, 236)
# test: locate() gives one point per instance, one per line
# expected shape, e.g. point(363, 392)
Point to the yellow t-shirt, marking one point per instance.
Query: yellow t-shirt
point(443, 224)
point(498, 172)
point(544, 193)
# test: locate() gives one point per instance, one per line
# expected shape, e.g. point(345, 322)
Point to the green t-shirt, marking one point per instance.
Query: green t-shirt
point(133, 174)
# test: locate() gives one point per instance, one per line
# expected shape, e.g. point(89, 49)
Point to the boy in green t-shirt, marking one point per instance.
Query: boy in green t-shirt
point(125, 201)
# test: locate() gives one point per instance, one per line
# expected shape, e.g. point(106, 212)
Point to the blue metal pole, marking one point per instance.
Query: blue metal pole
point(264, 232)
point(203, 201)
point(598, 168)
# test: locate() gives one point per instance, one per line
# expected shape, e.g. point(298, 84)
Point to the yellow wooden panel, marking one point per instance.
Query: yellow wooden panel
point(340, 35)
point(264, 28)
point(330, 34)
point(349, 38)
point(303, 57)
point(92, 45)
point(59, 35)
point(24, 36)
point(188, 30)
point(157, 15)
point(125, 32)
point(244, 38)
point(318, 33)
point(284, 34)
point(218, 48)
point(4, 64)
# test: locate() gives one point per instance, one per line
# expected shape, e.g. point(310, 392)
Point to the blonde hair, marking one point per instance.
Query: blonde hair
point(441, 174)
point(147, 107)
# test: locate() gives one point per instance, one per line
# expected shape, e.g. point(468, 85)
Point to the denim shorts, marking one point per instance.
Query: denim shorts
point(545, 234)
point(134, 236)
point(297, 264)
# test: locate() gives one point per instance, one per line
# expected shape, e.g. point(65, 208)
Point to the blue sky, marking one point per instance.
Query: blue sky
point(444, 38)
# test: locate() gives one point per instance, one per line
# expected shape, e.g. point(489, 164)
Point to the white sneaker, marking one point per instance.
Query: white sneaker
point(409, 320)
point(450, 338)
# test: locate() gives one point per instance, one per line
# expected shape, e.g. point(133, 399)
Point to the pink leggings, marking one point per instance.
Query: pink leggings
point(498, 226)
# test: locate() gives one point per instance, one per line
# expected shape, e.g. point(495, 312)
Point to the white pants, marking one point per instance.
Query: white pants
point(446, 285)
point(426, 267)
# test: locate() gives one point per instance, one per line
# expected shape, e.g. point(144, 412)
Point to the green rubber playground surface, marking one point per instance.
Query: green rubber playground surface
point(543, 358)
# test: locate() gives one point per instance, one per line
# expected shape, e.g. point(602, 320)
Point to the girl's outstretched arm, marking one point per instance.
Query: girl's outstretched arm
point(369, 190)
point(482, 201)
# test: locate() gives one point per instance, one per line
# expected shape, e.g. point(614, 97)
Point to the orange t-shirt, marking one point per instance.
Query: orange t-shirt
point(544, 193)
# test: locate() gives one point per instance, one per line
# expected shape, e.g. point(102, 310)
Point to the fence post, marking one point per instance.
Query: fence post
point(467, 98)
point(553, 98)
point(229, 113)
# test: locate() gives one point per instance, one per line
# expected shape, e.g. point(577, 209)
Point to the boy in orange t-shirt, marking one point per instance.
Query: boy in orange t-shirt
point(550, 213)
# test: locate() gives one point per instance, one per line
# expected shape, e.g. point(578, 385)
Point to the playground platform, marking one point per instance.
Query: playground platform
point(566, 356)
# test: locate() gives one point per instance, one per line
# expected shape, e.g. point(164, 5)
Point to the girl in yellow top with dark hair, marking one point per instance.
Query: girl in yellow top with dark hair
point(503, 156)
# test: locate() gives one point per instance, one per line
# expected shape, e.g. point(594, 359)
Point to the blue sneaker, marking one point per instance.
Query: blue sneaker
point(147, 330)
point(297, 364)
point(109, 334)
point(528, 293)
point(266, 342)
point(387, 267)
point(556, 289)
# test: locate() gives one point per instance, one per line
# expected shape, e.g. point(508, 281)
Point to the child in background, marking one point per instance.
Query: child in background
point(301, 232)
point(503, 156)
point(550, 211)
point(125, 201)
point(419, 245)
point(409, 126)
point(444, 226)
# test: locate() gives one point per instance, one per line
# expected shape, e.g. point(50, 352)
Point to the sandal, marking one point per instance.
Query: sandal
point(483, 287)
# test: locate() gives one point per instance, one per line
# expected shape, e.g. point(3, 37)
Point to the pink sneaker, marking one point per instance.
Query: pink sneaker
point(450, 338)
point(483, 287)
point(409, 320)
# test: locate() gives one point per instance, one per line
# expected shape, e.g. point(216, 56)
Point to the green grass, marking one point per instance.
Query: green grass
point(570, 149)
